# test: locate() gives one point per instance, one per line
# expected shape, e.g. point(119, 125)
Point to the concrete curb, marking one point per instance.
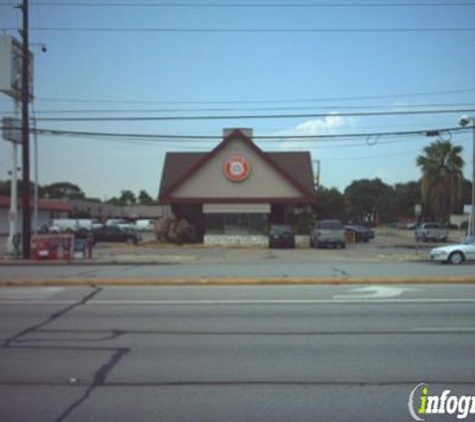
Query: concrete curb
point(23, 282)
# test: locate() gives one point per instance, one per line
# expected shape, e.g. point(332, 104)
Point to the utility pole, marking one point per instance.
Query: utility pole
point(25, 97)
point(316, 173)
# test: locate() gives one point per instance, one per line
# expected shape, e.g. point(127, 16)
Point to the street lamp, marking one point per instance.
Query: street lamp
point(465, 121)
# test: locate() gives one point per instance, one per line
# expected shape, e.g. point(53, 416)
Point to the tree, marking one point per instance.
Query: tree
point(127, 197)
point(406, 196)
point(369, 200)
point(145, 198)
point(442, 179)
point(330, 203)
point(5, 188)
point(62, 190)
point(466, 195)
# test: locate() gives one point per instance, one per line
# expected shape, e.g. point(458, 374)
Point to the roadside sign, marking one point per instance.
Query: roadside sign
point(11, 67)
point(12, 130)
point(418, 210)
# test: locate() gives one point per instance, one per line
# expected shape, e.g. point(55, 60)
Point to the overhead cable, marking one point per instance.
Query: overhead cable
point(255, 117)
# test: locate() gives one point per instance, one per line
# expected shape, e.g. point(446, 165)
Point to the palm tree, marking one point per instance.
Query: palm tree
point(442, 178)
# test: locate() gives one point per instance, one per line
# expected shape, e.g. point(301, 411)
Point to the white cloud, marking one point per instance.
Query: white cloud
point(328, 125)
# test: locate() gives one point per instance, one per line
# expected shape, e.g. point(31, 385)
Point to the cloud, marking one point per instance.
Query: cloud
point(328, 125)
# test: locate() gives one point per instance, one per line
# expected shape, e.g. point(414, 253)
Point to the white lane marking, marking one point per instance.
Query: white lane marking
point(376, 292)
point(236, 302)
point(29, 293)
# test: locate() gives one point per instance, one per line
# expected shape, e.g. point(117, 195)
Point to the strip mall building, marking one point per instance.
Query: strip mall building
point(235, 192)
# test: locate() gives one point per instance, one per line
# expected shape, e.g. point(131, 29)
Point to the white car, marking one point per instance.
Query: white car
point(120, 222)
point(145, 225)
point(455, 254)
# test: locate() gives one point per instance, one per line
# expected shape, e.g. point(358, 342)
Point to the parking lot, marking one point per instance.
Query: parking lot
point(388, 245)
point(392, 245)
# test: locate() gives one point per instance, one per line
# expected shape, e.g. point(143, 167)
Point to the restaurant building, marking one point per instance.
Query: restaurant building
point(233, 193)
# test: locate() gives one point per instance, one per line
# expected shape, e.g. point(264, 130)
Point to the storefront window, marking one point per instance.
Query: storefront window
point(214, 224)
point(236, 224)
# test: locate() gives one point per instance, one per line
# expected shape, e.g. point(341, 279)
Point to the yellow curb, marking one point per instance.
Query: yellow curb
point(21, 282)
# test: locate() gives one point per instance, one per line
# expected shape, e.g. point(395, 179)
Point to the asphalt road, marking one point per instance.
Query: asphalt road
point(270, 268)
point(304, 353)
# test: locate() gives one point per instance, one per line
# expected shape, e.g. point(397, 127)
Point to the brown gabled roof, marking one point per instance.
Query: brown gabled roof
point(177, 164)
point(293, 166)
point(298, 164)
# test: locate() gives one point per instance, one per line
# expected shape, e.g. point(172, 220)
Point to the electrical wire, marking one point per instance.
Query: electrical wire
point(271, 101)
point(453, 30)
point(255, 117)
point(234, 109)
point(255, 5)
point(273, 138)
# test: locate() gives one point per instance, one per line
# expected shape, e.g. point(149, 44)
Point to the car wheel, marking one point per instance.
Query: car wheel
point(129, 241)
point(343, 245)
point(456, 258)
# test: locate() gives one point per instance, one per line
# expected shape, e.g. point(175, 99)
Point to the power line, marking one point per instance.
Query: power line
point(254, 117)
point(256, 5)
point(270, 101)
point(230, 109)
point(253, 30)
point(274, 138)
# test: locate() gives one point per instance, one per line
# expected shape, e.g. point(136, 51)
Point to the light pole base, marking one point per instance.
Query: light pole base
point(12, 246)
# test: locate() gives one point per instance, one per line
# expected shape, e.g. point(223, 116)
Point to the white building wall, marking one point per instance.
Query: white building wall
point(43, 218)
point(263, 181)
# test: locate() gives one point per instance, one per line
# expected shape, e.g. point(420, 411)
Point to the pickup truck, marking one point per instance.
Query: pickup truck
point(436, 232)
point(328, 233)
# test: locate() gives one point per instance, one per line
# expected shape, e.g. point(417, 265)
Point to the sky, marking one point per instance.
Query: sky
point(356, 57)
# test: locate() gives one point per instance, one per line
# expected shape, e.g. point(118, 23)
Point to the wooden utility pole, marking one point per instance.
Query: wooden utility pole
point(25, 98)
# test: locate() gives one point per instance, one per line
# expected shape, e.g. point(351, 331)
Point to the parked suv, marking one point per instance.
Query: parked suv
point(431, 231)
point(328, 233)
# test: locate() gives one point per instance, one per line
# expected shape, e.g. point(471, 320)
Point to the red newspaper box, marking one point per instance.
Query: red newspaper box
point(52, 246)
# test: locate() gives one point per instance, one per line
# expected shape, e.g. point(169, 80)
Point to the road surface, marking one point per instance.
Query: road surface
point(265, 269)
point(305, 353)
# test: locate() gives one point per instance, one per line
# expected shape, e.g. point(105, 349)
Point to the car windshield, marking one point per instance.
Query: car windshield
point(330, 225)
point(469, 240)
point(432, 226)
point(281, 229)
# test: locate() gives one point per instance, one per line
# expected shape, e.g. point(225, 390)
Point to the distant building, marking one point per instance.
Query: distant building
point(79, 208)
point(233, 193)
point(460, 219)
point(47, 209)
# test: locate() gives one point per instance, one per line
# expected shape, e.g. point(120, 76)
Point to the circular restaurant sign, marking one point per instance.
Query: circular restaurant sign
point(237, 168)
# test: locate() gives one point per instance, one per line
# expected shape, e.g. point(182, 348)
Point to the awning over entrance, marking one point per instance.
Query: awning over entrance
point(236, 208)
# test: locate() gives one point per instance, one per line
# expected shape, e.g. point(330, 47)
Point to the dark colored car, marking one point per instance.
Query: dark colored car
point(281, 236)
point(115, 234)
point(362, 233)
